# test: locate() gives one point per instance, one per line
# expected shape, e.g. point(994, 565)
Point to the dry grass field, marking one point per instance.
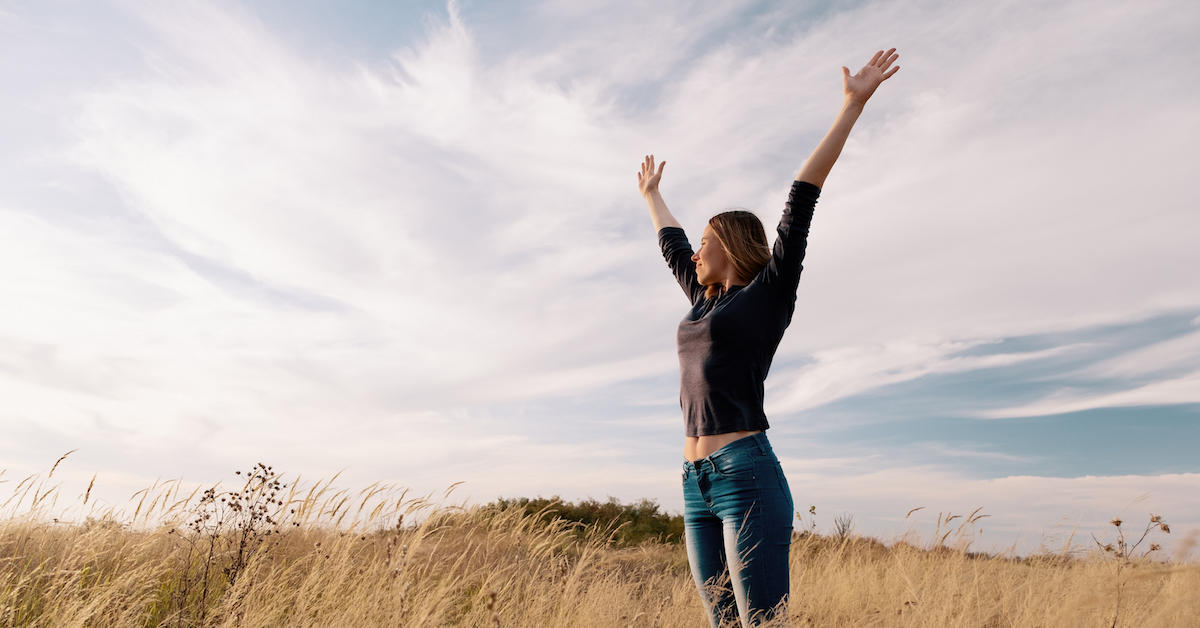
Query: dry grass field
point(268, 554)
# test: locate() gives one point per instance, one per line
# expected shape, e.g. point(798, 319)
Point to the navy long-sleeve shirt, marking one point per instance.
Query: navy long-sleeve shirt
point(726, 343)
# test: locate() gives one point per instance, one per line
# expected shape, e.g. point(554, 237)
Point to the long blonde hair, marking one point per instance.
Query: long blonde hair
point(744, 240)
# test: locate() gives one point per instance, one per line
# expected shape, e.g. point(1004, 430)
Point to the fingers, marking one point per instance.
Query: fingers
point(875, 59)
point(889, 73)
point(888, 59)
point(648, 169)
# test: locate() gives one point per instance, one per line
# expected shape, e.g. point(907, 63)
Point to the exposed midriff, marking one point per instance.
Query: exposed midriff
point(697, 447)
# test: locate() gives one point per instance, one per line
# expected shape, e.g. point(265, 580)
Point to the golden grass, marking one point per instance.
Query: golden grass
point(379, 559)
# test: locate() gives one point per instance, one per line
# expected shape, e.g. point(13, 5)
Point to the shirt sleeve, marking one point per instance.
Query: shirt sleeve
point(678, 253)
point(782, 273)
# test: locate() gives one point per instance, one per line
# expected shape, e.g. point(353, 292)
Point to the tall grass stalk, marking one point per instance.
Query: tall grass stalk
point(380, 557)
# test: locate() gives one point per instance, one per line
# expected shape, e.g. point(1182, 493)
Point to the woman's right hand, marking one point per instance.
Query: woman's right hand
point(648, 179)
point(859, 87)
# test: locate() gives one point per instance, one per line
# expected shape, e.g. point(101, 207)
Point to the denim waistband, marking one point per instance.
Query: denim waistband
point(758, 441)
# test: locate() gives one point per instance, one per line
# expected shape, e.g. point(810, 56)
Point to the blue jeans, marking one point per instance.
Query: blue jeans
point(737, 517)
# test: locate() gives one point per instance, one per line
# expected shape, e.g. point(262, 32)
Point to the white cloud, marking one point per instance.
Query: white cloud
point(420, 203)
point(1169, 365)
point(410, 197)
point(367, 250)
point(848, 371)
point(1023, 511)
point(1169, 355)
point(1179, 390)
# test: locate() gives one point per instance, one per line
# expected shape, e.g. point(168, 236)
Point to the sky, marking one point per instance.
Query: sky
point(403, 242)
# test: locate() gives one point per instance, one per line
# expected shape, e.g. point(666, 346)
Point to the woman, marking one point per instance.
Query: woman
point(737, 506)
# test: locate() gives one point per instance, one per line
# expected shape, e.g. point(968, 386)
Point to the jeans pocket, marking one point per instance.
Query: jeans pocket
point(738, 466)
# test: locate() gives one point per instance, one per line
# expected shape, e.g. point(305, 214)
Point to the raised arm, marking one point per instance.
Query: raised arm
point(858, 90)
point(648, 184)
point(675, 247)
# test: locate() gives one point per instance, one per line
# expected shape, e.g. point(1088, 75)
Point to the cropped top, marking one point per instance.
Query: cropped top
point(726, 343)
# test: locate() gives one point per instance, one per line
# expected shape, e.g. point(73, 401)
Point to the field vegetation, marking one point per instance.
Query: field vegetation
point(270, 553)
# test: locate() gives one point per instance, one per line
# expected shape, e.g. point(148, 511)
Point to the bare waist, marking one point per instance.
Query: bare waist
point(697, 447)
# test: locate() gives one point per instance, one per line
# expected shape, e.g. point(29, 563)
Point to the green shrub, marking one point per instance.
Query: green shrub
point(634, 523)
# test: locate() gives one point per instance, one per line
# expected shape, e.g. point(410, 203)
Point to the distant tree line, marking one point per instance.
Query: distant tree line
point(634, 523)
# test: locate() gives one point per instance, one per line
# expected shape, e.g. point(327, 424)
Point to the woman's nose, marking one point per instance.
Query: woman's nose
point(696, 257)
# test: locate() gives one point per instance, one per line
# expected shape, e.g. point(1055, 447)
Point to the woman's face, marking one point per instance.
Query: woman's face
point(712, 266)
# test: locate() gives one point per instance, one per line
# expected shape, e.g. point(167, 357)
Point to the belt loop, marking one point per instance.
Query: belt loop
point(760, 438)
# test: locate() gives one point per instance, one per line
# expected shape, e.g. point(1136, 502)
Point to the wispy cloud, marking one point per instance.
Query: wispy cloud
point(267, 244)
point(848, 371)
point(1181, 390)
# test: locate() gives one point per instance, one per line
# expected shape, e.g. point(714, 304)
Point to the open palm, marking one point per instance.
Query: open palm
point(860, 86)
point(648, 178)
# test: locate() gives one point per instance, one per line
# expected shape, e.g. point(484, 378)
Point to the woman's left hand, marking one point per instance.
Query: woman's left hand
point(860, 86)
